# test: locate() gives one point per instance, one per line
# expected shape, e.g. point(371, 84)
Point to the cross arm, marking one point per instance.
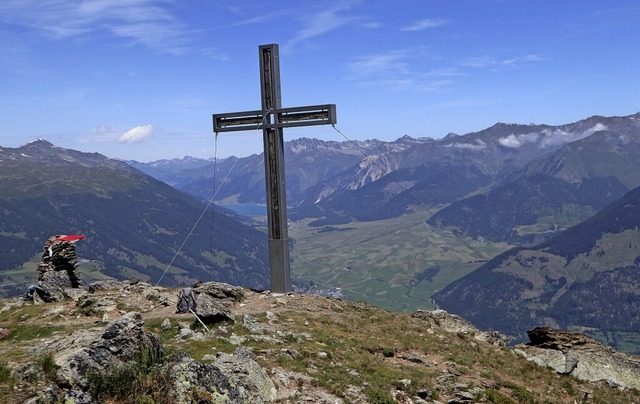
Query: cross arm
point(286, 118)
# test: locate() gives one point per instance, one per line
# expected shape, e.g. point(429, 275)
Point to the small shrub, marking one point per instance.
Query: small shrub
point(5, 373)
point(494, 396)
point(48, 365)
point(378, 396)
point(118, 383)
point(123, 382)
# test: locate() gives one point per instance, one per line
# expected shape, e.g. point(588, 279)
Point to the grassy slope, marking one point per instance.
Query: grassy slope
point(351, 351)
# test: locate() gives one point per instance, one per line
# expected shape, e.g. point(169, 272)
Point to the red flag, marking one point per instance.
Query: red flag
point(70, 238)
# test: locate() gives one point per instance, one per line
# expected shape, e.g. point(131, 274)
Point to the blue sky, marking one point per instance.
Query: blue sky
point(139, 79)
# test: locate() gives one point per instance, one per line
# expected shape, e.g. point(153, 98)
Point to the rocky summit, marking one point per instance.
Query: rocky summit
point(130, 342)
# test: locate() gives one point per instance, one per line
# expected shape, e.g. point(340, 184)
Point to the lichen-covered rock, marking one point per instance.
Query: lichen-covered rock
point(243, 371)
point(121, 342)
point(196, 382)
point(577, 355)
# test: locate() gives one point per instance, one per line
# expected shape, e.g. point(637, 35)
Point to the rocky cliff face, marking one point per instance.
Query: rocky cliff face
point(124, 342)
point(572, 353)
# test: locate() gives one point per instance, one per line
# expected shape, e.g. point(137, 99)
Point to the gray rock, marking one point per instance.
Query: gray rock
point(220, 291)
point(53, 286)
point(166, 324)
point(453, 323)
point(211, 310)
point(207, 381)
point(251, 324)
point(122, 341)
point(577, 355)
point(252, 381)
point(109, 284)
point(91, 305)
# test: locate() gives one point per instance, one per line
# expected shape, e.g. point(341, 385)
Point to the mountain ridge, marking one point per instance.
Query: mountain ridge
point(586, 276)
point(132, 221)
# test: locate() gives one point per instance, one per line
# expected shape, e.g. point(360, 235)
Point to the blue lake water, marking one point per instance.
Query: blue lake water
point(247, 209)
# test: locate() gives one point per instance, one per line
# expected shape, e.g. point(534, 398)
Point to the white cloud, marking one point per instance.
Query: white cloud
point(392, 70)
point(496, 63)
point(510, 141)
point(136, 135)
point(479, 144)
point(515, 141)
point(425, 24)
point(385, 62)
point(560, 137)
point(549, 138)
point(146, 22)
point(327, 20)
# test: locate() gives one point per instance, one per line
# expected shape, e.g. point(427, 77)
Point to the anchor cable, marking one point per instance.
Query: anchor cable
point(212, 199)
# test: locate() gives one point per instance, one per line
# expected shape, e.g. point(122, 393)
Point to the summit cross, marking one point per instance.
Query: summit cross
point(272, 118)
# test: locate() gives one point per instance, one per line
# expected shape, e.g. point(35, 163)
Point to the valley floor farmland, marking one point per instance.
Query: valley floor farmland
point(396, 264)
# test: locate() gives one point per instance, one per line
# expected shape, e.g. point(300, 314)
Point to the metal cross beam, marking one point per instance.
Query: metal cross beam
point(272, 118)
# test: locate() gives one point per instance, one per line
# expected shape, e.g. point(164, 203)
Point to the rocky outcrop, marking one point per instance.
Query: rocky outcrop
point(453, 323)
point(575, 354)
point(122, 341)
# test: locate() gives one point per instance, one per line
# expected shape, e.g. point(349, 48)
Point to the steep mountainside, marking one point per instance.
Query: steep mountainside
point(307, 163)
point(328, 179)
point(556, 190)
point(587, 276)
point(134, 224)
point(431, 184)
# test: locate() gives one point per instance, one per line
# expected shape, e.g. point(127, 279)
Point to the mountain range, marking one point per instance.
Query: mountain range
point(566, 196)
point(514, 183)
point(136, 226)
point(556, 193)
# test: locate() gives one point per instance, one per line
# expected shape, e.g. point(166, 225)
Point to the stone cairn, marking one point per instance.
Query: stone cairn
point(57, 270)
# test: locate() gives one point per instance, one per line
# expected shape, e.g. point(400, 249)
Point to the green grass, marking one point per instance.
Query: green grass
point(142, 380)
point(5, 373)
point(378, 262)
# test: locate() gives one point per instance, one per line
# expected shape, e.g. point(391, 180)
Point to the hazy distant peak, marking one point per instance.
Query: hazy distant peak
point(39, 143)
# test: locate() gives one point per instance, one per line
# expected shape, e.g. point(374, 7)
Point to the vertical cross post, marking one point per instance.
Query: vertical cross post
point(279, 262)
point(272, 118)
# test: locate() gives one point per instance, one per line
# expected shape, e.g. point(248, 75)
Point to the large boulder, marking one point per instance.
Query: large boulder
point(123, 341)
point(211, 310)
point(575, 354)
point(231, 378)
point(54, 286)
point(214, 300)
point(221, 291)
point(252, 381)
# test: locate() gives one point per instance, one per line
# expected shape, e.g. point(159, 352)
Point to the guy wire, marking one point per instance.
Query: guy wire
point(211, 200)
